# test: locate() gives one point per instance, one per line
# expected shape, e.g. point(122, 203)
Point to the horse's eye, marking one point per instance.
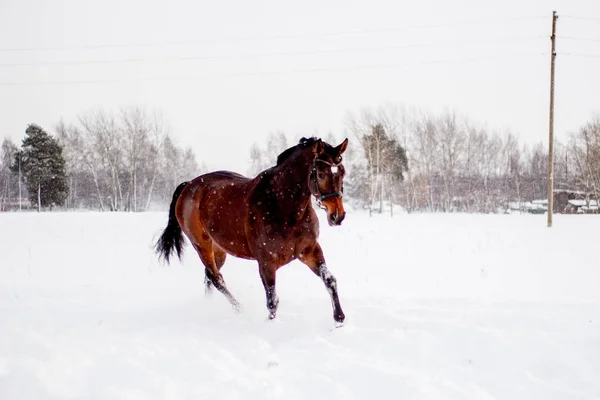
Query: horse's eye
point(321, 175)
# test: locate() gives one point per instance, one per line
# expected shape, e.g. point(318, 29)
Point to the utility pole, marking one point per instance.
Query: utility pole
point(551, 130)
point(19, 155)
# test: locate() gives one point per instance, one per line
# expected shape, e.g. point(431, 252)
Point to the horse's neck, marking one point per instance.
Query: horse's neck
point(292, 181)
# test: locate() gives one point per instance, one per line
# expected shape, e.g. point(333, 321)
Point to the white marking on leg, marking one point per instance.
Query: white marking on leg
point(327, 276)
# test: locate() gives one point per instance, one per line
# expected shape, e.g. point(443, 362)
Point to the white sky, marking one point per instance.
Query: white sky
point(248, 73)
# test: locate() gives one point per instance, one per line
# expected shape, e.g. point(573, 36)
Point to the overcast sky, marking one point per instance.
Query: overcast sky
point(226, 73)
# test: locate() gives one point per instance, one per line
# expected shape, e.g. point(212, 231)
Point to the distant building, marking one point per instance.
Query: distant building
point(566, 201)
point(563, 196)
point(582, 207)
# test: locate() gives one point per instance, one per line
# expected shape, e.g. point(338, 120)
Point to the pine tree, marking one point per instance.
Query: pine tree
point(43, 167)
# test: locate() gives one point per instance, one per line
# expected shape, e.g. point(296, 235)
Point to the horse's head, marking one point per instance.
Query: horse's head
point(327, 179)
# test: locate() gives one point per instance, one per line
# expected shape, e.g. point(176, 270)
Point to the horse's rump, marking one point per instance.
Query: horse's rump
point(216, 205)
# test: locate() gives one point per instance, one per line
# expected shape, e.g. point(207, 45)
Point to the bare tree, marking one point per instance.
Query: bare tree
point(424, 147)
point(8, 179)
point(451, 139)
point(123, 161)
point(513, 169)
point(103, 132)
point(585, 149)
point(135, 128)
point(158, 134)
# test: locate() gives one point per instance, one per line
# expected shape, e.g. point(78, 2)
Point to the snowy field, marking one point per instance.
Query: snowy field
point(438, 307)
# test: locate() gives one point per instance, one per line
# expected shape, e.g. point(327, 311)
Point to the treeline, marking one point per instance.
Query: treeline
point(127, 160)
point(123, 161)
point(429, 162)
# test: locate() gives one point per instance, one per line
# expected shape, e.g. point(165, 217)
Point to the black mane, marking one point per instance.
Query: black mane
point(303, 143)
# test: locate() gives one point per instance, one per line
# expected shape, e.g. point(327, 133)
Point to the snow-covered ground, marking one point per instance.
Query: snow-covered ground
point(438, 306)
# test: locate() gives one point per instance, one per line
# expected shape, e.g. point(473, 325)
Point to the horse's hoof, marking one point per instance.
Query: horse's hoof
point(339, 317)
point(271, 316)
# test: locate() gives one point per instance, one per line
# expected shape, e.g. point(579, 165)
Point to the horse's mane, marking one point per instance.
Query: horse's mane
point(303, 143)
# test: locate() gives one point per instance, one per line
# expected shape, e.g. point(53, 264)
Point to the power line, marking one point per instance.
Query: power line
point(268, 73)
point(274, 37)
point(580, 39)
point(596, 20)
point(581, 55)
point(278, 54)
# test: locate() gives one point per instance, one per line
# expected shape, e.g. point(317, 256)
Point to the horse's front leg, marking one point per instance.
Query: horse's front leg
point(314, 259)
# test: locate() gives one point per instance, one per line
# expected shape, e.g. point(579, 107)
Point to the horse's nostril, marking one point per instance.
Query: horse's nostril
point(334, 216)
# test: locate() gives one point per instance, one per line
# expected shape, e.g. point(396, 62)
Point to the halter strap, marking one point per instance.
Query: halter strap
point(320, 196)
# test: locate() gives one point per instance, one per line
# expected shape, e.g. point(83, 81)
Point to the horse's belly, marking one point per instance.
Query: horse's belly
point(239, 250)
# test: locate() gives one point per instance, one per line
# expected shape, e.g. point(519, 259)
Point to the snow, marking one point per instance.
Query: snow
point(438, 306)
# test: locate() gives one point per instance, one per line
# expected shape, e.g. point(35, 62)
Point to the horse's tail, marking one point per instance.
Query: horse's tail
point(171, 238)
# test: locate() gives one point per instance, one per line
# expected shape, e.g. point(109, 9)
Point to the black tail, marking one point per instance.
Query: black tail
point(171, 236)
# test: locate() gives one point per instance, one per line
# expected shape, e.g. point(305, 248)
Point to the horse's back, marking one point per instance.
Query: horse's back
point(216, 176)
point(218, 190)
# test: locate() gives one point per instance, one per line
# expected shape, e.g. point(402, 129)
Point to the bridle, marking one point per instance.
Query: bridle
point(313, 176)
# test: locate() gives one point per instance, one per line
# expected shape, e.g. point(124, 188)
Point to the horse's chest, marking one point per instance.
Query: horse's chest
point(290, 232)
point(284, 244)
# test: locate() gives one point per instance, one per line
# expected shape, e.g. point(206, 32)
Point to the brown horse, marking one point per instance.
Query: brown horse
point(269, 219)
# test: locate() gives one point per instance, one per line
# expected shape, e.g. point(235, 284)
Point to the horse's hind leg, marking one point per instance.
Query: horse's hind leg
point(208, 257)
point(220, 257)
point(267, 275)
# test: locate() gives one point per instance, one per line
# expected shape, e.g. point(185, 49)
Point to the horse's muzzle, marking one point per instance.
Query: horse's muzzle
point(336, 219)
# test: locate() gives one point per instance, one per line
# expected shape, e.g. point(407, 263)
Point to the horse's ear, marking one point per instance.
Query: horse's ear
point(319, 147)
point(342, 147)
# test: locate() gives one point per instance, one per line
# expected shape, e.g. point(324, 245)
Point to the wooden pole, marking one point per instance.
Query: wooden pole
point(20, 180)
point(551, 130)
